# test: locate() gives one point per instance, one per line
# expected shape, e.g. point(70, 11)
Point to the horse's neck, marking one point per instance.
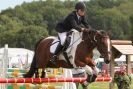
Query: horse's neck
point(87, 47)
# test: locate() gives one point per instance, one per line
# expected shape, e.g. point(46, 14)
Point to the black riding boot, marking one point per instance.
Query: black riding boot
point(57, 51)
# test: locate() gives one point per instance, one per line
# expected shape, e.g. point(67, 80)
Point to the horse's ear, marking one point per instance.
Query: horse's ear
point(102, 32)
point(93, 31)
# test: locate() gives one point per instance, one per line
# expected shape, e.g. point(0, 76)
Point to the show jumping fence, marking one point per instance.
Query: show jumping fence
point(54, 79)
point(8, 76)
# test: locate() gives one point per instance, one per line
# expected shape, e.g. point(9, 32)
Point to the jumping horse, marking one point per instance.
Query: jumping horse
point(83, 55)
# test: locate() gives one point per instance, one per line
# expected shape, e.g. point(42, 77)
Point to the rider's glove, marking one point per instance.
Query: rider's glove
point(85, 30)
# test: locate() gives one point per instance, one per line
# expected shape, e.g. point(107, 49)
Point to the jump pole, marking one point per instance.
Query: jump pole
point(103, 79)
point(41, 80)
point(50, 80)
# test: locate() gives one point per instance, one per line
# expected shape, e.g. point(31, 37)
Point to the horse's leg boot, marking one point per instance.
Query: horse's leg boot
point(91, 78)
point(57, 51)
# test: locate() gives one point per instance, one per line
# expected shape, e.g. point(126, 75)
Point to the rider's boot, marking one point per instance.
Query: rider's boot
point(57, 51)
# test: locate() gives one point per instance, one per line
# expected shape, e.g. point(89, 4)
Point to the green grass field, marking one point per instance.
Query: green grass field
point(102, 85)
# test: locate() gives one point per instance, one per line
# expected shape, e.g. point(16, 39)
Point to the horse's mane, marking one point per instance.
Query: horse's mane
point(91, 33)
point(100, 32)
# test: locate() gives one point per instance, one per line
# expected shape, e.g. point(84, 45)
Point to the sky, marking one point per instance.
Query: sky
point(4, 4)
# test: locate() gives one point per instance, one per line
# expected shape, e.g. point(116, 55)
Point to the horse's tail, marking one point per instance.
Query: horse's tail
point(33, 68)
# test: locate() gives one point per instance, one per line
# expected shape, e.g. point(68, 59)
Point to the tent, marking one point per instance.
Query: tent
point(18, 56)
point(122, 58)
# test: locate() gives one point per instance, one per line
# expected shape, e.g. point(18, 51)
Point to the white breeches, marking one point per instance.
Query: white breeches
point(62, 37)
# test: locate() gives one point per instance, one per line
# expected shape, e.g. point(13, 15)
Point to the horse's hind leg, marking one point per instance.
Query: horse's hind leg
point(36, 73)
point(40, 73)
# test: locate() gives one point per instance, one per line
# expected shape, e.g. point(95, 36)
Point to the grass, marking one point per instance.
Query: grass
point(102, 85)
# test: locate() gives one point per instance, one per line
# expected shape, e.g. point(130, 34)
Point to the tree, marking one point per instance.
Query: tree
point(39, 18)
point(8, 30)
point(131, 33)
point(28, 36)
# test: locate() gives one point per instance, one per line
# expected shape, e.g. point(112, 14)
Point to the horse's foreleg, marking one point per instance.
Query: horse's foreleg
point(84, 87)
point(77, 85)
point(91, 78)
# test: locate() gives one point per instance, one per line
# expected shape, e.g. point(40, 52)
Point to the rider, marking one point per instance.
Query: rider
point(72, 21)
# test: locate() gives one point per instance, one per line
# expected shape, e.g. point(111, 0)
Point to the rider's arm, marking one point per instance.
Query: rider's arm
point(85, 23)
point(75, 25)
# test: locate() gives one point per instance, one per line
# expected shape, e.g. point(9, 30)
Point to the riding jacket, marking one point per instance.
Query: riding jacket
point(72, 22)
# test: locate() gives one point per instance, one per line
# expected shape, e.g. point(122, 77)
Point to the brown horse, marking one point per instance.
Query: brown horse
point(83, 56)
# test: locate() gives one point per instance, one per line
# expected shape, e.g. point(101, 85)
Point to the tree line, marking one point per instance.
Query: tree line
point(26, 24)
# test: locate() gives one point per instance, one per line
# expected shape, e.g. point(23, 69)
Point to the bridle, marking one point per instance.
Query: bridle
point(94, 41)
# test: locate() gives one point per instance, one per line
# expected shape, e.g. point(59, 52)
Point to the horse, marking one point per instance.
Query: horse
point(83, 54)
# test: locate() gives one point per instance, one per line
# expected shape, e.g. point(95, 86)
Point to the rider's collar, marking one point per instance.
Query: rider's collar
point(78, 16)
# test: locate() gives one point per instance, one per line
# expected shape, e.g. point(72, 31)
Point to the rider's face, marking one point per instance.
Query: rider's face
point(81, 12)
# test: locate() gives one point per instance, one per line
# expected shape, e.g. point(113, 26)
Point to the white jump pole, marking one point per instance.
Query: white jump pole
point(4, 65)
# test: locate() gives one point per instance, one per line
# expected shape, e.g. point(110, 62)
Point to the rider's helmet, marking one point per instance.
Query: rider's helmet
point(80, 5)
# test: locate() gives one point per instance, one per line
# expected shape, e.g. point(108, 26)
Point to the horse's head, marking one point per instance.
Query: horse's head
point(101, 40)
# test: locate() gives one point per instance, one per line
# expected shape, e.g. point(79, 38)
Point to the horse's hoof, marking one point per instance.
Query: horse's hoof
point(85, 84)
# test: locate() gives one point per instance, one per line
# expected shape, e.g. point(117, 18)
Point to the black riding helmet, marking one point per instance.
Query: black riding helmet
point(80, 5)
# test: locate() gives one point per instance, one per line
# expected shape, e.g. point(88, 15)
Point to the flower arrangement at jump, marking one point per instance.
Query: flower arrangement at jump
point(122, 79)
